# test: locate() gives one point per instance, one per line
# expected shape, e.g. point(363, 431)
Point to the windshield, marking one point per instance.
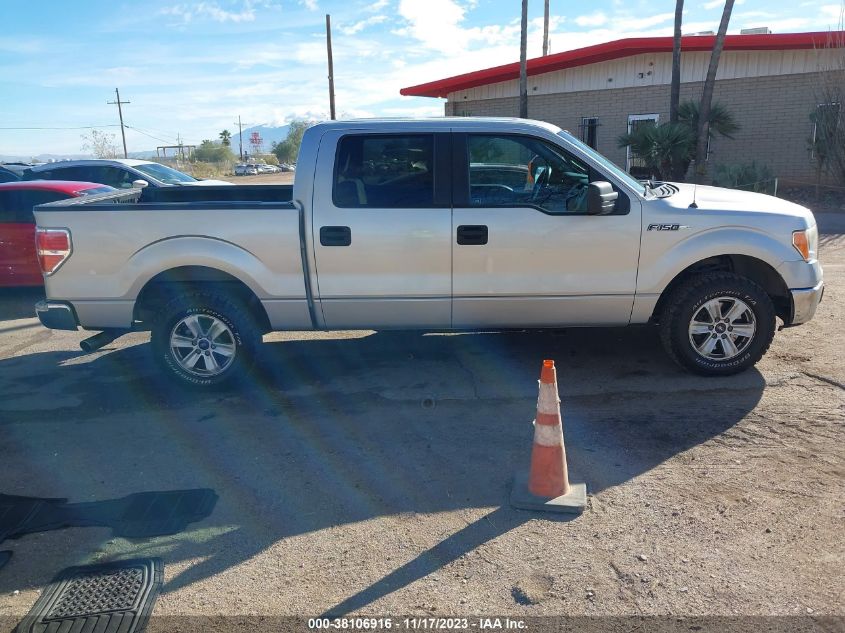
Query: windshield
point(608, 165)
point(93, 190)
point(164, 174)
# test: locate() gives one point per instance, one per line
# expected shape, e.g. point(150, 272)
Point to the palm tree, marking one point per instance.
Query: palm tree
point(675, 91)
point(707, 92)
point(664, 148)
point(669, 149)
point(226, 137)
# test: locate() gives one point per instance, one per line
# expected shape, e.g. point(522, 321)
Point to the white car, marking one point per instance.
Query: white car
point(121, 173)
point(246, 170)
point(267, 169)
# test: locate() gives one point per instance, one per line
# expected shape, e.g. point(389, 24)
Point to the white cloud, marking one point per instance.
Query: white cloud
point(311, 5)
point(212, 10)
point(352, 29)
point(636, 24)
point(782, 26)
point(718, 4)
point(832, 11)
point(594, 19)
point(377, 6)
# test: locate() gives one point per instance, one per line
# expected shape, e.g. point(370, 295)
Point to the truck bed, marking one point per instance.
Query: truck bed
point(219, 193)
point(120, 244)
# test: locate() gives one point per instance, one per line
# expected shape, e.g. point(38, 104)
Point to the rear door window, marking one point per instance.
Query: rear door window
point(384, 171)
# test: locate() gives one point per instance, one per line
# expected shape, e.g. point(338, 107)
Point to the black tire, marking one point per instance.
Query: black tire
point(243, 335)
point(690, 298)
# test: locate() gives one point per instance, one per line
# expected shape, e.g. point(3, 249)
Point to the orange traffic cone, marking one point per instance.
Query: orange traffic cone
point(547, 486)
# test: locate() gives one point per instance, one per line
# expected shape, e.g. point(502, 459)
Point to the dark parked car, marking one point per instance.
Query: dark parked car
point(12, 172)
point(18, 259)
point(121, 173)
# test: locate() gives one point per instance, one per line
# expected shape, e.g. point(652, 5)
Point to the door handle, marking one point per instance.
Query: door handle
point(472, 234)
point(335, 236)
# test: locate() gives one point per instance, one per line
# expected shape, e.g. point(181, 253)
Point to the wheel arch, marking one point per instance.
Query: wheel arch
point(752, 268)
point(183, 279)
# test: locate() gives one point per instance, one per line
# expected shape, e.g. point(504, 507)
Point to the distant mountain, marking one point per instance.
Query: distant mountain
point(41, 158)
point(269, 134)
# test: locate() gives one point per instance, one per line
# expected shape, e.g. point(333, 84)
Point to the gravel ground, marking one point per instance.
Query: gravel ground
point(370, 472)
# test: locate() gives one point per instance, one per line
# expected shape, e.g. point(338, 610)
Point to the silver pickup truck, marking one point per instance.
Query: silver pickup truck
point(455, 223)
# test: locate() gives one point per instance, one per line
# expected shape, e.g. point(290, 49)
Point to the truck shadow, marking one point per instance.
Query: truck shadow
point(19, 303)
point(333, 432)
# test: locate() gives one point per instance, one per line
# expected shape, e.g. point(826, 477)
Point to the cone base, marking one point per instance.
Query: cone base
point(572, 503)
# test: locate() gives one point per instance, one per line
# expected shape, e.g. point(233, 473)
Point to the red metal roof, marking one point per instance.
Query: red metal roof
point(623, 48)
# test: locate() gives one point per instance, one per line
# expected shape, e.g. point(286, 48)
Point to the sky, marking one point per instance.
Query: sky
point(191, 67)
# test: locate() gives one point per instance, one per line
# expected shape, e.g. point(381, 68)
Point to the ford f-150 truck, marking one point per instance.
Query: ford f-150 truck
point(454, 223)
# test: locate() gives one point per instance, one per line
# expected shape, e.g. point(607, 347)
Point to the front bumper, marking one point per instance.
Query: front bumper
point(56, 316)
point(804, 303)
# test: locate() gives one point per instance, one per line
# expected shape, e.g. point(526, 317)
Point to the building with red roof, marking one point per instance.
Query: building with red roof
point(771, 83)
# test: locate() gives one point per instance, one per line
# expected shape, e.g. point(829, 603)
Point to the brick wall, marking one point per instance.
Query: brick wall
point(773, 114)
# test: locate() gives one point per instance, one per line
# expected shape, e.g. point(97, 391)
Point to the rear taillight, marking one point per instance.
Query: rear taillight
point(53, 247)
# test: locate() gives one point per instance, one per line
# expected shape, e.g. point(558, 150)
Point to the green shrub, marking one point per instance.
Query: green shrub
point(744, 176)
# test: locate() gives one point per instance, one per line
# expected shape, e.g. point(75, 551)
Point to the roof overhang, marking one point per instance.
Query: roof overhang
point(625, 48)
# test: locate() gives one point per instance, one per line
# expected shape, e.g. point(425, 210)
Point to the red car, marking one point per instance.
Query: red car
point(18, 261)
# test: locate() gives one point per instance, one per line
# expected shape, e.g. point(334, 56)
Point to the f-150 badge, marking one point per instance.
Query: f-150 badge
point(667, 227)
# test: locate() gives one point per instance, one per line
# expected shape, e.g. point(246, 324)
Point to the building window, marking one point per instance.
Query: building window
point(635, 165)
point(825, 124)
point(590, 130)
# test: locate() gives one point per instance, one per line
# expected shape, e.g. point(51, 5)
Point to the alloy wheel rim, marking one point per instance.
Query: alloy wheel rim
point(203, 345)
point(722, 328)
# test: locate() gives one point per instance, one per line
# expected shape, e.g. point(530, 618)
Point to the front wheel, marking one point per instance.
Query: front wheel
point(717, 324)
point(205, 339)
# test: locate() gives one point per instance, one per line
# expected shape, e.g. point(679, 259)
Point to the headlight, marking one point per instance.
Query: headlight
point(806, 242)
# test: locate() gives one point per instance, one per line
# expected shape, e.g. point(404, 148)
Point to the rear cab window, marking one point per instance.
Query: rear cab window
point(384, 171)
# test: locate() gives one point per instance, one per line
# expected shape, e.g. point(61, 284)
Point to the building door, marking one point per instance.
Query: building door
point(382, 221)
point(525, 252)
point(635, 165)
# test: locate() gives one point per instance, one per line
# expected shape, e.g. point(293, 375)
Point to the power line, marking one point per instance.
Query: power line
point(140, 131)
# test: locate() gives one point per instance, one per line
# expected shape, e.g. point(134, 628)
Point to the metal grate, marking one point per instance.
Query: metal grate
point(99, 592)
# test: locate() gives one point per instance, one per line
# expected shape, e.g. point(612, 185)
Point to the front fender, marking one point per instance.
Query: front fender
point(660, 264)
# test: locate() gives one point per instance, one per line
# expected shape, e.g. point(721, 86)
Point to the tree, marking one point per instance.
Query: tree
point(707, 92)
point(664, 148)
point(101, 144)
point(523, 63)
point(226, 138)
point(668, 149)
point(675, 91)
point(211, 152)
point(287, 151)
point(827, 141)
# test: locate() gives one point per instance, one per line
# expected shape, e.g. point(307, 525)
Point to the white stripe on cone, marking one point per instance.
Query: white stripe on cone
point(548, 435)
point(548, 400)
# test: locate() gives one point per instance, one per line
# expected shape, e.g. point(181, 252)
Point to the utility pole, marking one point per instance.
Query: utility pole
point(240, 138)
point(120, 114)
point(331, 64)
point(546, 29)
point(523, 64)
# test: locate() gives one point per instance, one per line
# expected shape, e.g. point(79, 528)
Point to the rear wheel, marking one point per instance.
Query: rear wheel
point(205, 339)
point(717, 324)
